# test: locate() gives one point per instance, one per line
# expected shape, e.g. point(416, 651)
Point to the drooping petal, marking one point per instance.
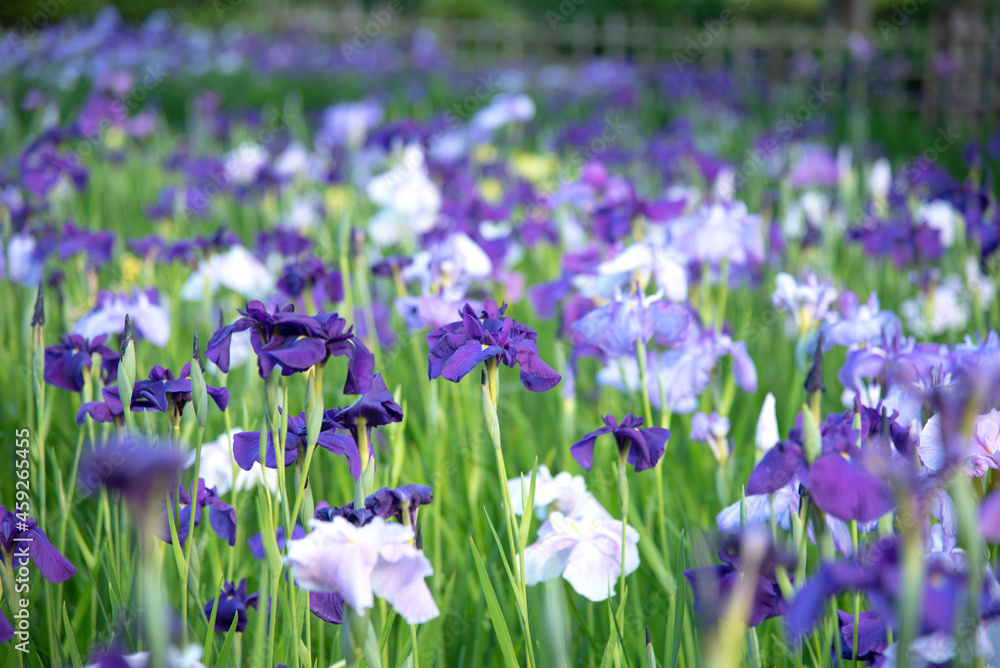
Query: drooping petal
point(654, 441)
point(398, 577)
point(6, 630)
point(583, 450)
point(97, 410)
point(328, 606)
point(222, 518)
point(53, 566)
point(360, 364)
point(341, 444)
point(848, 491)
point(592, 572)
point(547, 558)
point(776, 469)
point(743, 367)
point(331, 559)
point(467, 358)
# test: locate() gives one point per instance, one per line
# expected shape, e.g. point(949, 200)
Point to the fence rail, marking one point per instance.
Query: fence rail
point(951, 70)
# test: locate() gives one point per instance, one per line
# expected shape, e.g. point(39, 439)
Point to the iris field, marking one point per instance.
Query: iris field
point(484, 316)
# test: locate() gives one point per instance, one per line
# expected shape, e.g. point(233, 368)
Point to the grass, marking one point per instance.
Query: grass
point(441, 443)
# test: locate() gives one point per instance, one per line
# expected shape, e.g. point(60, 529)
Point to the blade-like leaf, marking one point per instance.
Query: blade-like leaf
point(499, 623)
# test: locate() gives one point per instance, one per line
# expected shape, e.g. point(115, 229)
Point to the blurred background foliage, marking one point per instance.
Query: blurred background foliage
point(659, 12)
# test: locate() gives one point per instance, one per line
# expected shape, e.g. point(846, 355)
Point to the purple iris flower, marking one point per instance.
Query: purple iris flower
point(862, 324)
point(878, 572)
point(296, 342)
point(65, 362)
point(256, 541)
point(842, 481)
point(386, 503)
point(644, 445)
point(816, 168)
point(458, 348)
point(150, 246)
point(714, 586)
point(133, 468)
point(6, 630)
point(97, 246)
point(283, 241)
point(246, 445)
point(375, 408)
point(151, 320)
point(160, 394)
point(617, 326)
point(873, 638)
point(233, 605)
point(43, 166)
point(328, 606)
point(185, 501)
point(309, 274)
point(23, 541)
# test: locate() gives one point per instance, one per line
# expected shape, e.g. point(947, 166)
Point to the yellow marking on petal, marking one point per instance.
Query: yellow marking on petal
point(484, 153)
point(491, 190)
point(131, 267)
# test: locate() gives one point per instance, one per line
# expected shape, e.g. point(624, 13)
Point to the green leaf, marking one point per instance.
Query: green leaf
point(383, 638)
point(499, 623)
point(74, 651)
point(211, 622)
point(527, 510)
point(680, 592)
point(227, 646)
point(618, 629)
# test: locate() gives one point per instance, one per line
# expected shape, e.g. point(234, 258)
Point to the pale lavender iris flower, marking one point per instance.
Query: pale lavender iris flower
point(361, 563)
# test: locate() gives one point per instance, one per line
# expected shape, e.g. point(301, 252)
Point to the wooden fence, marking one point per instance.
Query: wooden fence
point(942, 71)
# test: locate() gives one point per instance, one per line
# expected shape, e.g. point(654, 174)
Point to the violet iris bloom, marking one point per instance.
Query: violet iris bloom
point(841, 481)
point(387, 503)
point(879, 574)
point(458, 348)
point(861, 324)
point(160, 394)
point(617, 326)
point(713, 586)
point(65, 362)
point(149, 318)
point(375, 408)
point(133, 468)
point(873, 639)
point(6, 630)
point(361, 562)
point(246, 445)
point(256, 541)
point(296, 342)
point(23, 541)
point(184, 502)
point(645, 446)
point(328, 606)
point(233, 605)
point(96, 246)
